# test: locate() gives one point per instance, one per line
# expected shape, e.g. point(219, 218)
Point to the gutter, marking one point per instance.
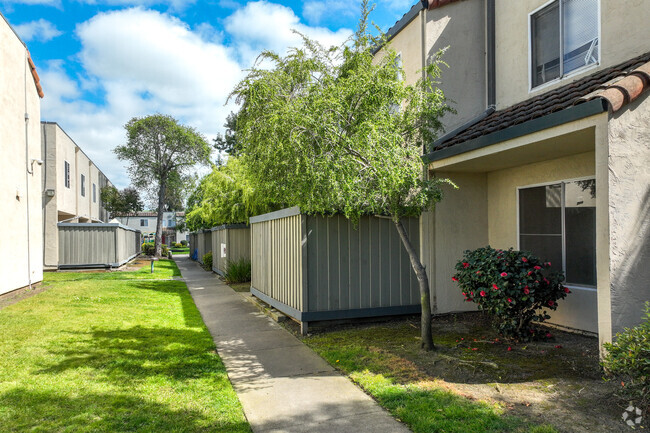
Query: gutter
point(571, 114)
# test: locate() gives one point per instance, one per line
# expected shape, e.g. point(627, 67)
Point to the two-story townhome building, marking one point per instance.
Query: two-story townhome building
point(21, 236)
point(72, 183)
point(146, 223)
point(549, 148)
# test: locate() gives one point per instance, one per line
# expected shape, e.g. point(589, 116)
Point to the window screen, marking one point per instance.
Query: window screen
point(567, 30)
point(557, 223)
point(83, 185)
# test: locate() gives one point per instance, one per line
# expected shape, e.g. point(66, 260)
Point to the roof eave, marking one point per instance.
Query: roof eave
point(571, 114)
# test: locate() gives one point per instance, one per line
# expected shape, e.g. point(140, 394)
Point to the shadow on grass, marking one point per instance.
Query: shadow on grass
point(163, 269)
point(125, 356)
point(27, 410)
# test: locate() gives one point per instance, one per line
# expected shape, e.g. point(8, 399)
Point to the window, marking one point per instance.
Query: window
point(144, 223)
point(83, 185)
point(66, 170)
point(558, 224)
point(94, 193)
point(171, 223)
point(564, 37)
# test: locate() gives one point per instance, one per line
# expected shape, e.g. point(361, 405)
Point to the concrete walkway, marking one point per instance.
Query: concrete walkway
point(282, 384)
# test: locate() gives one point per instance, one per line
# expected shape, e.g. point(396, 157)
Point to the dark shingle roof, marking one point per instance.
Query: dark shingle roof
point(618, 85)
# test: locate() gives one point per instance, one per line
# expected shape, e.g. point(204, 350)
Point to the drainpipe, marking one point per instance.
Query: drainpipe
point(27, 174)
point(491, 55)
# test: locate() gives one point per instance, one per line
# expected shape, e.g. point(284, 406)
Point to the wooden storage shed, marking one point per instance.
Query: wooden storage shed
point(230, 242)
point(94, 245)
point(316, 268)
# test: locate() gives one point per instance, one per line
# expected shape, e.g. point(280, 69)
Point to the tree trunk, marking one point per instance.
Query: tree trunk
point(159, 220)
point(423, 282)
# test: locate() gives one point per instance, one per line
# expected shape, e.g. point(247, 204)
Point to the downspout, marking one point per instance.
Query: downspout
point(491, 54)
point(27, 173)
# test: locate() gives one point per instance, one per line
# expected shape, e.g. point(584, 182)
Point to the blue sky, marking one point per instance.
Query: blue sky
point(102, 63)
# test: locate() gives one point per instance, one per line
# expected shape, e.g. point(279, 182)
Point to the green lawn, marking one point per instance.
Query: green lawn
point(373, 358)
point(112, 352)
point(178, 251)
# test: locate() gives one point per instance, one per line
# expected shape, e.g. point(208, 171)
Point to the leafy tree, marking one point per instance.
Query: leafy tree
point(160, 152)
point(228, 142)
point(338, 130)
point(120, 202)
point(225, 196)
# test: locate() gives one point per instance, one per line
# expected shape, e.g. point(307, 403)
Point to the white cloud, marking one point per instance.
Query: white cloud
point(173, 4)
point(40, 30)
point(139, 62)
point(263, 25)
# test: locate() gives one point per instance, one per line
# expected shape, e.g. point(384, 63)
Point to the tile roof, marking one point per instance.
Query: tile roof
point(618, 85)
point(37, 80)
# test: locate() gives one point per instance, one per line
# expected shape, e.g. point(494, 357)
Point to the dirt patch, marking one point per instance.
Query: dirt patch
point(11, 298)
point(557, 381)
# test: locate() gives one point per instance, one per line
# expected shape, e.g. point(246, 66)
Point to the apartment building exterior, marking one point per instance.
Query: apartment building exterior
point(549, 148)
point(72, 183)
point(146, 223)
point(21, 262)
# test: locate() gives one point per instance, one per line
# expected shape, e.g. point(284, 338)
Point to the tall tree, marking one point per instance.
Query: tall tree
point(160, 151)
point(227, 142)
point(120, 202)
point(225, 196)
point(338, 130)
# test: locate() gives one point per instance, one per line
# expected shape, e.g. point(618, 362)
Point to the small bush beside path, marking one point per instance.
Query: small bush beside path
point(112, 352)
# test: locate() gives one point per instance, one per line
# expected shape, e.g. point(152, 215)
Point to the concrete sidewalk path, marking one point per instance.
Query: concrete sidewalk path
point(282, 384)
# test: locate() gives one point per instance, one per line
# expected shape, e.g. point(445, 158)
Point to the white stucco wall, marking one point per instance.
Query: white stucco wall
point(624, 35)
point(18, 96)
point(629, 213)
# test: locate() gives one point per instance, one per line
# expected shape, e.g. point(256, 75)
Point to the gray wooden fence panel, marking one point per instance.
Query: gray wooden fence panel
point(236, 238)
point(359, 267)
point(194, 244)
point(320, 268)
point(276, 259)
point(96, 245)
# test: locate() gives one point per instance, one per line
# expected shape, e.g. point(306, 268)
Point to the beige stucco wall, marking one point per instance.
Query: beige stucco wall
point(457, 223)
point(460, 26)
point(408, 43)
point(629, 213)
point(66, 198)
point(18, 95)
point(624, 35)
point(94, 180)
point(83, 168)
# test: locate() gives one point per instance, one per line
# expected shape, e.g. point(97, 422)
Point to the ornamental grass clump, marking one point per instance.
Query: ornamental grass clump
point(514, 287)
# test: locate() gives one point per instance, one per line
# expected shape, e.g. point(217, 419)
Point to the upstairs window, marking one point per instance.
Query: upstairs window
point(144, 223)
point(66, 169)
point(94, 193)
point(564, 38)
point(83, 185)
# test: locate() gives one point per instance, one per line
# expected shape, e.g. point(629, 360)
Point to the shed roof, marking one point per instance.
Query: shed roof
point(617, 85)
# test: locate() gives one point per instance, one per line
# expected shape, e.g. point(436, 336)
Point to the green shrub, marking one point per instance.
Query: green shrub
point(207, 261)
point(148, 249)
point(183, 243)
point(238, 271)
point(514, 287)
point(628, 358)
point(178, 245)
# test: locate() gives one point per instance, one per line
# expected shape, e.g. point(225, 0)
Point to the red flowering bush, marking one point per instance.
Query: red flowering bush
point(514, 287)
